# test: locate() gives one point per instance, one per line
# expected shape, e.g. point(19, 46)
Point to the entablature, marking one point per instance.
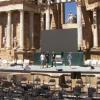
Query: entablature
point(26, 5)
point(92, 4)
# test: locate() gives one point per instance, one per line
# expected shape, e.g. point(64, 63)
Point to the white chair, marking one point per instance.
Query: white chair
point(98, 63)
point(26, 62)
point(12, 63)
point(19, 62)
point(87, 62)
point(4, 62)
point(94, 62)
point(58, 59)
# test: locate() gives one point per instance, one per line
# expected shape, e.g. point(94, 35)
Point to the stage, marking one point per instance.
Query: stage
point(57, 69)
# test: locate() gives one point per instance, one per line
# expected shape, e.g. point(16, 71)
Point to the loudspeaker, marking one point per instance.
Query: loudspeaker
point(59, 70)
point(92, 67)
point(62, 80)
point(76, 75)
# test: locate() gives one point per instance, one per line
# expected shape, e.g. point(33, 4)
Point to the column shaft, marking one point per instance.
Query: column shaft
point(79, 24)
point(8, 41)
point(95, 32)
point(48, 19)
point(21, 40)
point(62, 13)
point(42, 21)
point(31, 30)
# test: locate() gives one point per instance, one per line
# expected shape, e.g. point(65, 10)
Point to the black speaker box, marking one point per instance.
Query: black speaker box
point(59, 70)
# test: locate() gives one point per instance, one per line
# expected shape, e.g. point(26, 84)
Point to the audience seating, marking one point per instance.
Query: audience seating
point(52, 84)
point(69, 85)
point(77, 91)
point(98, 85)
point(37, 82)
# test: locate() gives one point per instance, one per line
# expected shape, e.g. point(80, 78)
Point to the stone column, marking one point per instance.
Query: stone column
point(1, 37)
point(48, 18)
point(8, 37)
point(31, 30)
point(95, 30)
point(21, 40)
point(59, 15)
point(62, 13)
point(79, 24)
point(48, 15)
point(42, 21)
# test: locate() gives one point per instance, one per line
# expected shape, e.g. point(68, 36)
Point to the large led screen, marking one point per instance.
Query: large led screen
point(59, 40)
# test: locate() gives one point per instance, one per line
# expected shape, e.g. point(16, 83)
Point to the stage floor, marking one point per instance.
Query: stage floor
point(49, 69)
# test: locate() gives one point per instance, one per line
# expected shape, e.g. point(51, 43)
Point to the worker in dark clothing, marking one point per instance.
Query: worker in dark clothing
point(47, 58)
point(62, 54)
point(53, 59)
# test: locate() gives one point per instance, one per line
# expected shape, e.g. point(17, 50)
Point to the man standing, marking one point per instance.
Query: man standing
point(42, 59)
point(69, 58)
point(53, 59)
point(47, 58)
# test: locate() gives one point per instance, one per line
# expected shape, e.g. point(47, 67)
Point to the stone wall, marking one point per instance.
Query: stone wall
point(98, 18)
point(3, 27)
point(26, 30)
point(37, 27)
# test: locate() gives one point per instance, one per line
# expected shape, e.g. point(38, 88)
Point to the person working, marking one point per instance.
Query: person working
point(53, 59)
point(42, 59)
point(47, 59)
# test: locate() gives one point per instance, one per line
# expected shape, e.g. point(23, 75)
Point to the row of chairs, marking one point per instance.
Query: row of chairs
point(68, 85)
point(51, 83)
point(92, 62)
point(11, 90)
point(14, 62)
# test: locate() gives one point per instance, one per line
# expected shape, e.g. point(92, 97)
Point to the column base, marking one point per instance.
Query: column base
point(20, 49)
point(33, 49)
point(95, 48)
point(95, 53)
point(8, 48)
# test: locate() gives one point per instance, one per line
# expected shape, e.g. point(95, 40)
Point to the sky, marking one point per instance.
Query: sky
point(70, 7)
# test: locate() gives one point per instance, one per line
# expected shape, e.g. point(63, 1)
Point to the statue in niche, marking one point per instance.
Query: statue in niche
point(15, 42)
point(71, 18)
point(4, 42)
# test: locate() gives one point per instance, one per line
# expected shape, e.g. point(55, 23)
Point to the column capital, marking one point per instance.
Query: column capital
point(21, 10)
point(8, 11)
point(31, 12)
point(78, 2)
